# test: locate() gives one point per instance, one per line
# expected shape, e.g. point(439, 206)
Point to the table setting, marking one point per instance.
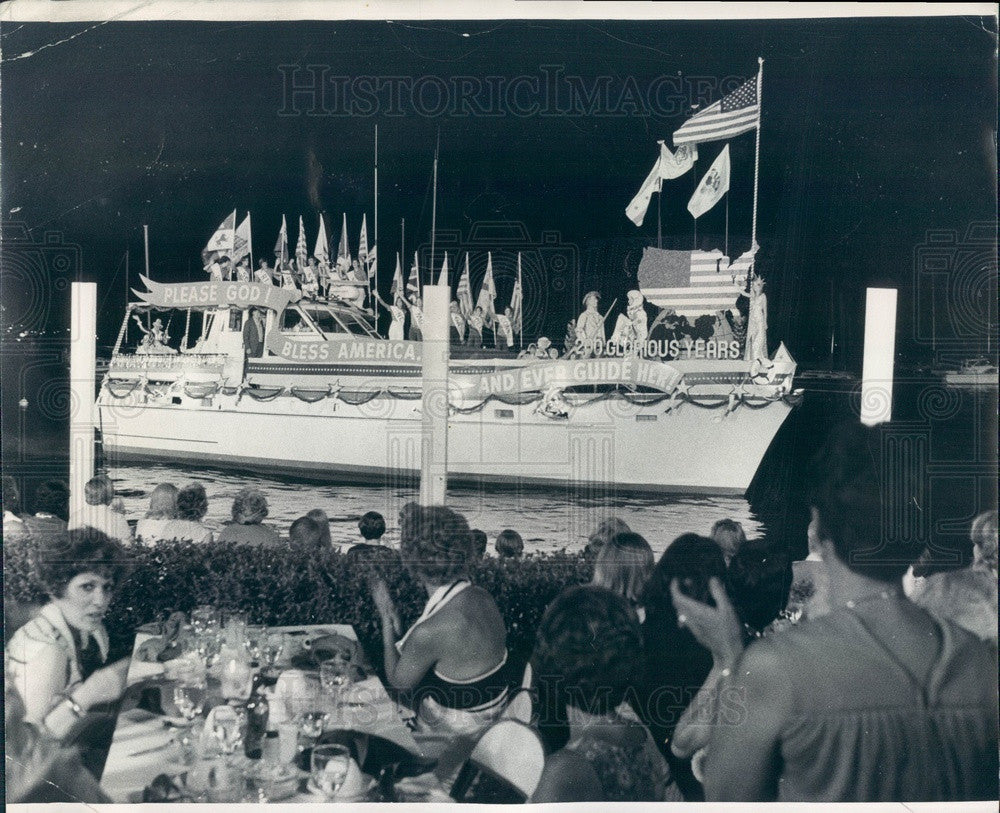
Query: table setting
point(228, 711)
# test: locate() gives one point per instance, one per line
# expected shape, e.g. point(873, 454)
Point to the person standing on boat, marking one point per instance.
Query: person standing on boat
point(253, 334)
point(505, 329)
point(288, 277)
point(310, 279)
point(263, 273)
point(457, 324)
point(227, 268)
point(590, 325)
point(243, 270)
point(398, 316)
point(215, 269)
point(416, 318)
point(474, 338)
point(756, 349)
point(631, 328)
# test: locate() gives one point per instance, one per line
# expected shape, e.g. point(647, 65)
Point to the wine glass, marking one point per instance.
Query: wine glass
point(256, 642)
point(204, 618)
point(334, 676)
point(330, 764)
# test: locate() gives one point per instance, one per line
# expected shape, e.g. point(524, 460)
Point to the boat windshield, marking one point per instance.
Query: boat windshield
point(341, 322)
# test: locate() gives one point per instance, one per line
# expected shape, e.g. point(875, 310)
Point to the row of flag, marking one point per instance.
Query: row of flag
point(463, 293)
point(233, 241)
point(733, 115)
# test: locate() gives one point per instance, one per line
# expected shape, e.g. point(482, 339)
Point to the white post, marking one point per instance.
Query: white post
point(434, 438)
point(82, 377)
point(880, 353)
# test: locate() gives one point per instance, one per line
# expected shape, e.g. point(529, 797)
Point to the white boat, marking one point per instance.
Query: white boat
point(329, 398)
point(973, 373)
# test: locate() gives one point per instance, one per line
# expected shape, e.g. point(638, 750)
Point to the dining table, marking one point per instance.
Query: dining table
point(144, 745)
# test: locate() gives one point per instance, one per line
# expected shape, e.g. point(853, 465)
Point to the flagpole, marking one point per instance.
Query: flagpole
point(376, 216)
point(756, 157)
point(659, 214)
point(402, 245)
point(727, 224)
point(694, 188)
point(437, 148)
point(145, 240)
point(250, 242)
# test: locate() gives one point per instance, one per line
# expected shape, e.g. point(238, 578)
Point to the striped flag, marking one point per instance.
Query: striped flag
point(281, 246)
point(443, 277)
point(396, 291)
point(322, 252)
point(517, 300)
point(736, 113)
point(464, 292)
point(692, 282)
point(301, 252)
point(488, 290)
point(372, 261)
point(363, 240)
point(344, 250)
point(413, 283)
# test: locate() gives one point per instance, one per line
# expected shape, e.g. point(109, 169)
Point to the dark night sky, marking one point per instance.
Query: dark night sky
point(874, 132)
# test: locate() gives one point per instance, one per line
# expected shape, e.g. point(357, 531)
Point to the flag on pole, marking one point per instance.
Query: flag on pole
point(488, 291)
point(363, 241)
point(517, 300)
point(372, 261)
point(344, 251)
point(733, 115)
point(241, 240)
point(443, 276)
point(322, 252)
point(281, 246)
point(396, 291)
point(713, 186)
point(465, 290)
point(413, 283)
point(301, 252)
point(668, 165)
point(224, 239)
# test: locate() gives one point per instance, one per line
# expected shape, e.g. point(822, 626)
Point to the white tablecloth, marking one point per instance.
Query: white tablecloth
point(143, 748)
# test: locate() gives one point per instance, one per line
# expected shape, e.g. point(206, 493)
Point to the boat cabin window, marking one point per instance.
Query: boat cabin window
point(235, 320)
point(357, 325)
point(339, 322)
point(326, 321)
point(292, 321)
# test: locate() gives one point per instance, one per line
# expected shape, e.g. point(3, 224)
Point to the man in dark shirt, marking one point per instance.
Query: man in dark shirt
point(253, 334)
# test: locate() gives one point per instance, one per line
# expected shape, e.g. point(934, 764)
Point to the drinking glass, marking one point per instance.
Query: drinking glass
point(256, 642)
point(334, 676)
point(330, 764)
point(190, 700)
point(204, 618)
point(312, 724)
point(227, 728)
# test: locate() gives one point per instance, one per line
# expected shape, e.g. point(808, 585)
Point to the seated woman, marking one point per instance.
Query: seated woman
point(247, 527)
point(623, 566)
point(56, 660)
point(454, 658)
point(162, 510)
point(588, 649)
point(192, 505)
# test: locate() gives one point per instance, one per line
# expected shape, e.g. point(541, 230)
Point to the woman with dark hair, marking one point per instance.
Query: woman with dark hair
point(192, 505)
point(587, 650)
point(247, 527)
point(454, 658)
point(675, 663)
point(624, 566)
point(56, 660)
point(875, 701)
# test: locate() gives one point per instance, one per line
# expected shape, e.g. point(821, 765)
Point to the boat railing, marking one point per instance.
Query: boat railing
point(167, 362)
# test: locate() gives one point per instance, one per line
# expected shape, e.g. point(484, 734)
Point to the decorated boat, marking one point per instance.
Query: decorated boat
point(329, 397)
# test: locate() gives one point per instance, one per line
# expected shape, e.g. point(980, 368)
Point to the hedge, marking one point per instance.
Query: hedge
point(288, 586)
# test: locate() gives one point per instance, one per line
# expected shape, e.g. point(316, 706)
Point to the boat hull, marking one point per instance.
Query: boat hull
point(609, 443)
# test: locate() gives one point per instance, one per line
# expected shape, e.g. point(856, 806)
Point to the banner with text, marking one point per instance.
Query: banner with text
point(562, 374)
point(356, 348)
point(215, 294)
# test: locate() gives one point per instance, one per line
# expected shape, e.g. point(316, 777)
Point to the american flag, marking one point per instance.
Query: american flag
point(413, 283)
point(734, 114)
point(692, 282)
point(301, 252)
point(464, 292)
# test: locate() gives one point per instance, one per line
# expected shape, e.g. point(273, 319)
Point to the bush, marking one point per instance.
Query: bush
point(288, 586)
